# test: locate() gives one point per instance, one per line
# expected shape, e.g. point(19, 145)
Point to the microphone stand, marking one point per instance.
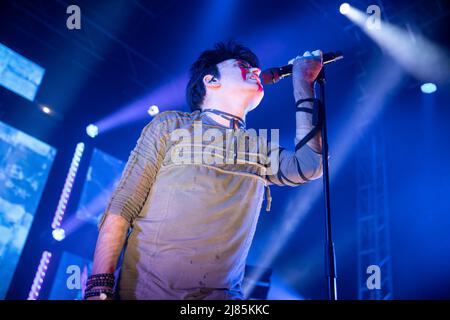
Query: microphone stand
point(330, 258)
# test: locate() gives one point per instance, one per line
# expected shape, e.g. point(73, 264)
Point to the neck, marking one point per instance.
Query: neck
point(225, 118)
point(232, 107)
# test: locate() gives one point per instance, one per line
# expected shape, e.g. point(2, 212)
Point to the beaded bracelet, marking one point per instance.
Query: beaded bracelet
point(102, 294)
point(105, 280)
point(98, 285)
point(101, 276)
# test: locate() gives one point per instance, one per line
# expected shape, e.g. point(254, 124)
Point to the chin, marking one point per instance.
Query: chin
point(256, 101)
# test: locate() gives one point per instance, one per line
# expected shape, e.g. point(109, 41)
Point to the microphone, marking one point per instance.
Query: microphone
point(273, 75)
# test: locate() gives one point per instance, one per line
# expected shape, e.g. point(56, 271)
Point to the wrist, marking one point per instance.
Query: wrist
point(304, 90)
point(99, 294)
point(100, 285)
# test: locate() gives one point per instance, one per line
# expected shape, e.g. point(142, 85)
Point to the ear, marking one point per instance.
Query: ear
point(211, 82)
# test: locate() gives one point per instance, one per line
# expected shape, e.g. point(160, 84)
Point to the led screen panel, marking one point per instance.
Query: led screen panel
point(19, 74)
point(71, 276)
point(102, 177)
point(25, 163)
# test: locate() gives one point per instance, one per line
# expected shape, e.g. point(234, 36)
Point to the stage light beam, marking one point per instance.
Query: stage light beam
point(344, 8)
point(153, 110)
point(428, 87)
point(46, 109)
point(419, 56)
point(92, 130)
point(170, 95)
point(58, 234)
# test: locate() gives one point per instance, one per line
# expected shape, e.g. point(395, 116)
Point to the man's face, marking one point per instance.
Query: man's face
point(240, 78)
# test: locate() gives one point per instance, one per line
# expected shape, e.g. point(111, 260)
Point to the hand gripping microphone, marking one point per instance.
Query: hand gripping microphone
point(273, 75)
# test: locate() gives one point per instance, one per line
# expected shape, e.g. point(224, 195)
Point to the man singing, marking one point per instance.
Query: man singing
point(186, 224)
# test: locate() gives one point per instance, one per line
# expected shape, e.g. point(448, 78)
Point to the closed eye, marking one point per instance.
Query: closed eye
point(244, 65)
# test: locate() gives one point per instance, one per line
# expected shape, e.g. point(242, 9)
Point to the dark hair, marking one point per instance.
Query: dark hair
point(207, 64)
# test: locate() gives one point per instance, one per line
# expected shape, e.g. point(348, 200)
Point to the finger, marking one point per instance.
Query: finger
point(294, 59)
point(318, 53)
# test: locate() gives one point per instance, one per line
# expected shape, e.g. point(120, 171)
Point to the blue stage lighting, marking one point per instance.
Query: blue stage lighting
point(92, 130)
point(428, 87)
point(153, 110)
point(344, 8)
point(19, 74)
point(46, 109)
point(59, 234)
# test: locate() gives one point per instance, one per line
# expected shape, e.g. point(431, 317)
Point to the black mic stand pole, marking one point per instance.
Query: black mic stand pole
point(330, 258)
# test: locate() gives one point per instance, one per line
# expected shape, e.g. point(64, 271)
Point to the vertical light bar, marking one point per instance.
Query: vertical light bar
point(40, 275)
point(67, 189)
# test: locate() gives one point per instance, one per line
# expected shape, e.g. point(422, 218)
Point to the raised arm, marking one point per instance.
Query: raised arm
point(305, 163)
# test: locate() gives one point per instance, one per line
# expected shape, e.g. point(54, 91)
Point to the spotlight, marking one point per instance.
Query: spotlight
point(46, 109)
point(153, 110)
point(92, 130)
point(428, 87)
point(58, 234)
point(344, 8)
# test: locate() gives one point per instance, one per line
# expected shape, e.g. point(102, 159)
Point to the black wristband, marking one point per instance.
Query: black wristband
point(315, 111)
point(298, 102)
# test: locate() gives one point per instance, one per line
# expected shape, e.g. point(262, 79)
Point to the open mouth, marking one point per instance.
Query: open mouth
point(257, 80)
point(254, 77)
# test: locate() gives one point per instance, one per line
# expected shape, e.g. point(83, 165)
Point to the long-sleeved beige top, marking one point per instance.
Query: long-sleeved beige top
point(192, 191)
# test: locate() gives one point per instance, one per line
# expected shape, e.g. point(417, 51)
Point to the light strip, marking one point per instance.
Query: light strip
point(40, 275)
point(67, 189)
